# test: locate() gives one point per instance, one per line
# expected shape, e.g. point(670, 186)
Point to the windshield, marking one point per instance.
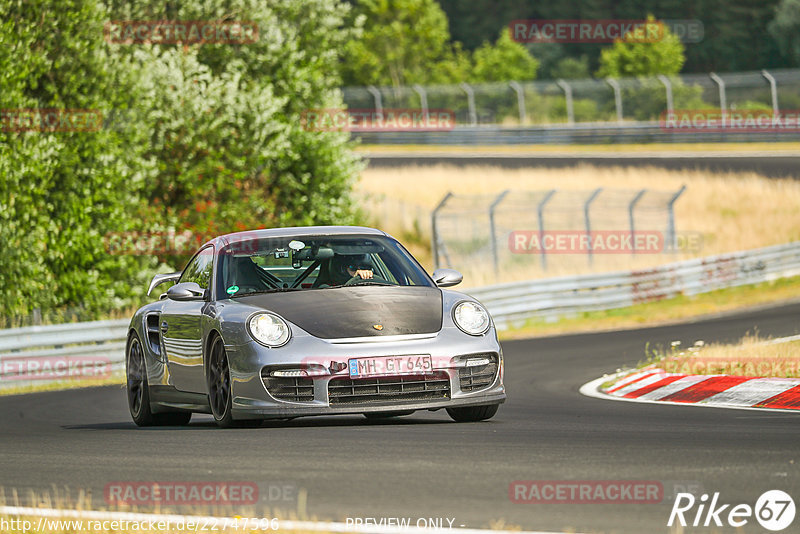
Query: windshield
point(318, 262)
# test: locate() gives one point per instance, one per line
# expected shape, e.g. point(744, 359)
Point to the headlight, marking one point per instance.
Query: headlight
point(269, 329)
point(472, 318)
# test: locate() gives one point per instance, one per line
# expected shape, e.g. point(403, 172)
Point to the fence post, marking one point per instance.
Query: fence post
point(631, 207)
point(540, 216)
point(376, 95)
point(523, 116)
point(473, 115)
point(723, 102)
point(434, 230)
point(671, 218)
point(773, 89)
point(588, 221)
point(617, 96)
point(668, 86)
point(492, 229)
point(568, 96)
point(423, 99)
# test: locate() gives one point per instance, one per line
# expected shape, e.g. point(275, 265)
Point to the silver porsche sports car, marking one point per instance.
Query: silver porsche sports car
point(282, 323)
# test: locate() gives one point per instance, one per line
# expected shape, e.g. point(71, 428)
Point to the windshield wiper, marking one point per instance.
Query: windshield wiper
point(368, 283)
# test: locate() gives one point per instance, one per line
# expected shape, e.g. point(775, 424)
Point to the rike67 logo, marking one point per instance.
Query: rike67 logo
point(774, 510)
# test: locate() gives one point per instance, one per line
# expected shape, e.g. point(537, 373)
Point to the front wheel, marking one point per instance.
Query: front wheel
point(472, 414)
point(139, 391)
point(220, 395)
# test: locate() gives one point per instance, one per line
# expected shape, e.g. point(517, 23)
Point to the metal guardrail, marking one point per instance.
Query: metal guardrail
point(50, 353)
point(587, 134)
point(510, 304)
point(586, 111)
point(514, 303)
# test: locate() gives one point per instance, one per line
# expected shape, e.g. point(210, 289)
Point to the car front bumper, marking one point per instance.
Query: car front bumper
point(448, 349)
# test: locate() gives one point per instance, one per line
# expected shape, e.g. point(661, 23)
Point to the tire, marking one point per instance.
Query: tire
point(387, 415)
point(139, 390)
point(220, 397)
point(472, 414)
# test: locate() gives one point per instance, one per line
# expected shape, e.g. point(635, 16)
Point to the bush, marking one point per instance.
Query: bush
point(204, 138)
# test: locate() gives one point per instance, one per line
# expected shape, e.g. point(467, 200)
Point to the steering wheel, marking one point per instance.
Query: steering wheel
point(356, 279)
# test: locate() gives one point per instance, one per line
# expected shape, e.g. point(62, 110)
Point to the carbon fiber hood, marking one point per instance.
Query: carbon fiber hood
point(344, 312)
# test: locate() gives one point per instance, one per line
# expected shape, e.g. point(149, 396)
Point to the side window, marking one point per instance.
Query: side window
point(199, 269)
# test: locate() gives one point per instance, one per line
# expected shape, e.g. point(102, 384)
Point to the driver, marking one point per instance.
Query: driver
point(347, 269)
point(360, 266)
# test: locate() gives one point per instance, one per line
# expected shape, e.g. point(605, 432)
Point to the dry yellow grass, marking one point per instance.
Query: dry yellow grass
point(730, 211)
point(116, 379)
point(752, 356)
point(63, 499)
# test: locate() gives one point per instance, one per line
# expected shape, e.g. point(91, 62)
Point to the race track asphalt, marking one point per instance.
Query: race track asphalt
point(424, 465)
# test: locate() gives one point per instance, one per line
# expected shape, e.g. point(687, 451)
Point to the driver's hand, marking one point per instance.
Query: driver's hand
point(364, 274)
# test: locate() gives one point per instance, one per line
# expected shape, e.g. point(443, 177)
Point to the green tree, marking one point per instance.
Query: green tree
point(403, 42)
point(204, 138)
point(505, 60)
point(570, 68)
point(63, 191)
point(630, 56)
point(225, 120)
point(735, 36)
point(785, 29)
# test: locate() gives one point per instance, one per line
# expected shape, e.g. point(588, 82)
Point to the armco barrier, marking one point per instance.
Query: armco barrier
point(509, 304)
point(61, 344)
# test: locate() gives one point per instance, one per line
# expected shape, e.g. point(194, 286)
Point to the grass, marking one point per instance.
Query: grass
point(726, 212)
point(752, 356)
point(83, 500)
point(64, 499)
point(33, 387)
point(663, 311)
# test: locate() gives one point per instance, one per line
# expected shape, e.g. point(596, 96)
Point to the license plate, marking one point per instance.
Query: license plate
point(390, 365)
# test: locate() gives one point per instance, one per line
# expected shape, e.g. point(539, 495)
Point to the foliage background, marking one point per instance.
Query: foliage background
point(202, 138)
point(207, 139)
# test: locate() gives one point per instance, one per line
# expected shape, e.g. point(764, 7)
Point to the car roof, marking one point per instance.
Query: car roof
point(309, 231)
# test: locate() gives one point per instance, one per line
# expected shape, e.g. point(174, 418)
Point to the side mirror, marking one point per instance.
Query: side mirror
point(447, 277)
point(186, 291)
point(162, 278)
